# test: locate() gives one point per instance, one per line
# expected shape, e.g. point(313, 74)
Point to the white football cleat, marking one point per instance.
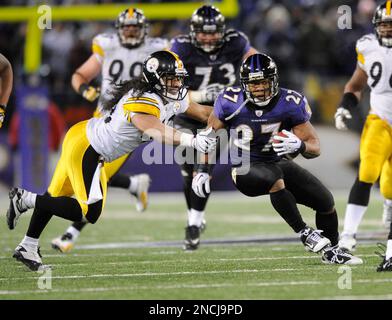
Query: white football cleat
point(313, 240)
point(348, 241)
point(64, 244)
point(141, 194)
point(30, 258)
point(387, 214)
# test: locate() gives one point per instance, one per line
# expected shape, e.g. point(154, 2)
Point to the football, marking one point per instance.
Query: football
point(280, 133)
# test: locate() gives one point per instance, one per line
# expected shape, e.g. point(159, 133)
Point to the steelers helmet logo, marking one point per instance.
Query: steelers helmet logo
point(152, 65)
point(176, 106)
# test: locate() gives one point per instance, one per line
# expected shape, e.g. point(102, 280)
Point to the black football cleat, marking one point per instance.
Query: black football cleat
point(17, 207)
point(192, 238)
point(385, 265)
point(336, 255)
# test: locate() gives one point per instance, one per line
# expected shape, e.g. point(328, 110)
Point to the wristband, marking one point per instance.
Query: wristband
point(349, 101)
point(203, 167)
point(302, 148)
point(186, 139)
point(83, 87)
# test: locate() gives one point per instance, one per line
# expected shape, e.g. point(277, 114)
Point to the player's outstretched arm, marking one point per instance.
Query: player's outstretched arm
point(152, 126)
point(198, 111)
point(352, 94)
point(83, 76)
point(6, 78)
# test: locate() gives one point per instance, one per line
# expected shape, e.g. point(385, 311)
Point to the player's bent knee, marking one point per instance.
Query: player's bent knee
point(369, 173)
point(94, 212)
point(325, 202)
point(386, 191)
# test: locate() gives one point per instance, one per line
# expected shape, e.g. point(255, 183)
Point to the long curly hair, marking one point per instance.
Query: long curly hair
point(138, 85)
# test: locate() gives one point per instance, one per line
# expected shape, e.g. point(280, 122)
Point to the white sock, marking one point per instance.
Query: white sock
point(353, 218)
point(195, 217)
point(133, 184)
point(30, 243)
point(388, 254)
point(29, 198)
point(75, 232)
point(388, 202)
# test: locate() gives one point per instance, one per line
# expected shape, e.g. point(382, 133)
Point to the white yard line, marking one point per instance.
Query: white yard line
point(211, 285)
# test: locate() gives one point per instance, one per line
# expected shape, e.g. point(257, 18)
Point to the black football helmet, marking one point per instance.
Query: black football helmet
point(207, 20)
point(256, 70)
point(131, 17)
point(165, 73)
point(382, 22)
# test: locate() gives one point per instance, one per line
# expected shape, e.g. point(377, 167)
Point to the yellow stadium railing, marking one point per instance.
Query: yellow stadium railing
point(153, 11)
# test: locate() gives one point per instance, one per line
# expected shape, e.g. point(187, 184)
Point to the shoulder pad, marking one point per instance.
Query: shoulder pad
point(183, 38)
point(366, 43)
point(157, 43)
point(105, 41)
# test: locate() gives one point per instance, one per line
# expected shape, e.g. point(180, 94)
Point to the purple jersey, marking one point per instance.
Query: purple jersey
point(206, 68)
point(251, 130)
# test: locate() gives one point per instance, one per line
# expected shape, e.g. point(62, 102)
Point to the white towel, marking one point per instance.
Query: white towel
point(95, 190)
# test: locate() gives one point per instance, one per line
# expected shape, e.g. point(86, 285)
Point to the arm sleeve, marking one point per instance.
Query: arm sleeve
point(301, 113)
point(243, 42)
point(218, 109)
point(98, 48)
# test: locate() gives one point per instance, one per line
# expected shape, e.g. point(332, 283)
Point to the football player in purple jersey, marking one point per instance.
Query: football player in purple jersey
point(268, 127)
point(212, 55)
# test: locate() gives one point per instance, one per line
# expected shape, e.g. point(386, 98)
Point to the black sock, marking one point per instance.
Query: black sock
point(360, 193)
point(64, 207)
point(285, 204)
point(79, 225)
point(187, 188)
point(120, 181)
point(198, 203)
point(38, 222)
point(328, 222)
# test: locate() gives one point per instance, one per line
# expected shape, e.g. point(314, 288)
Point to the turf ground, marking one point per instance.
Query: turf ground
point(128, 255)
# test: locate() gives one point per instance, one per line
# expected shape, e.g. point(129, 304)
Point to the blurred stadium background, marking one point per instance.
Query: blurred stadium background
point(313, 56)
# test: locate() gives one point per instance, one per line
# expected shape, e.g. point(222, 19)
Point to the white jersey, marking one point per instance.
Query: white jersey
point(120, 63)
point(115, 135)
point(376, 61)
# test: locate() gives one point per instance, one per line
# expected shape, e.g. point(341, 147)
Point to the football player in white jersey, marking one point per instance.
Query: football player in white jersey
point(117, 57)
point(374, 68)
point(138, 106)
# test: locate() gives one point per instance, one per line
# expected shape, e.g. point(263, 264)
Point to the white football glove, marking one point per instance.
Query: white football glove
point(289, 144)
point(202, 179)
point(208, 94)
point(205, 141)
point(341, 115)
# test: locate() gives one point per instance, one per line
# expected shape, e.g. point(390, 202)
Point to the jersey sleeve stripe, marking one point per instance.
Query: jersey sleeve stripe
point(143, 99)
point(143, 108)
point(360, 57)
point(98, 49)
point(143, 102)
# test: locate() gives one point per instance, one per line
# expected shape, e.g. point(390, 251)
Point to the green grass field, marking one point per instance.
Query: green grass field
point(122, 257)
